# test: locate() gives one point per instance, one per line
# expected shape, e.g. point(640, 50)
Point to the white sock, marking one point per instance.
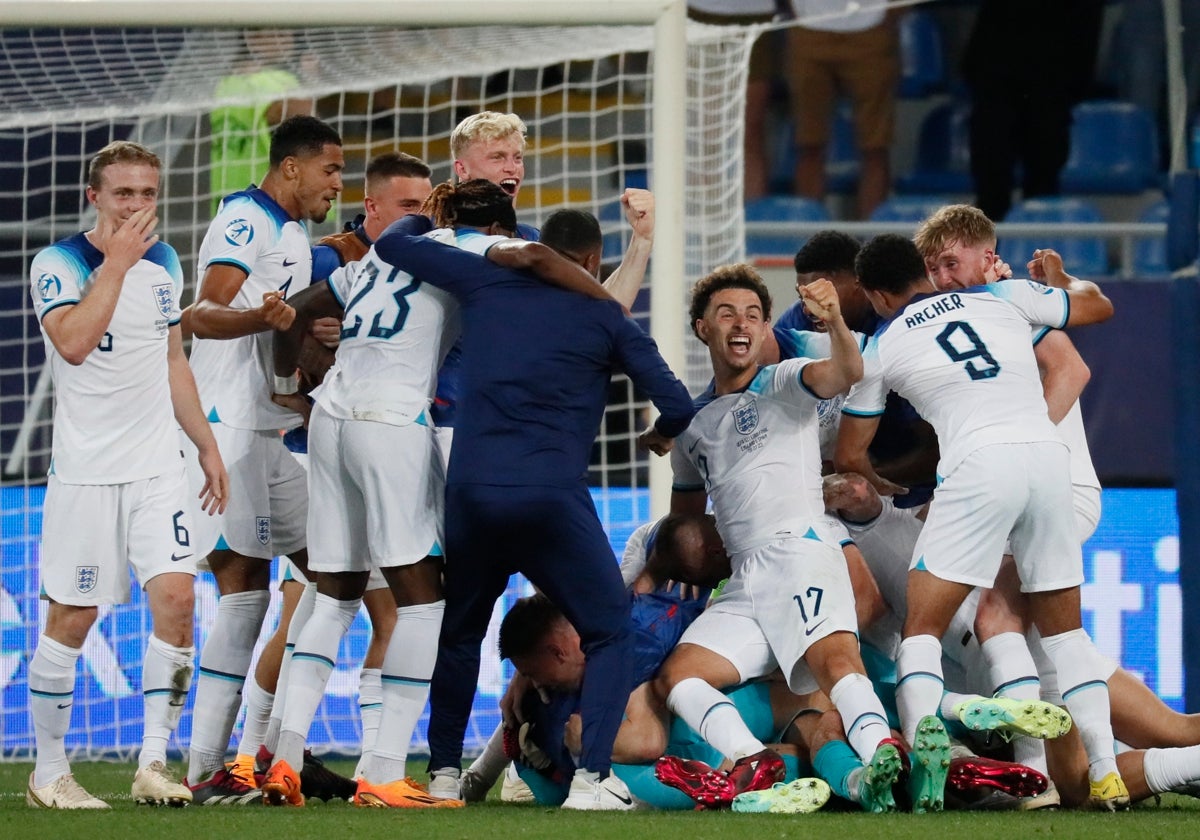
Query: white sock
point(370, 708)
point(258, 702)
point(863, 715)
point(224, 663)
point(300, 615)
point(407, 669)
point(492, 760)
point(51, 697)
point(714, 716)
point(166, 680)
point(1167, 769)
point(1081, 680)
point(1014, 674)
point(919, 682)
point(312, 661)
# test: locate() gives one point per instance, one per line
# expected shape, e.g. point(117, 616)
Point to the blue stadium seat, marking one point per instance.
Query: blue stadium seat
point(922, 58)
point(1114, 149)
point(1150, 255)
point(841, 160)
point(943, 161)
point(909, 208)
point(1082, 256)
point(781, 208)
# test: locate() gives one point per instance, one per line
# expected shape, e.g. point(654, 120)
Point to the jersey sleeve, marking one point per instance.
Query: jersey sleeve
point(785, 381)
point(869, 395)
point(325, 260)
point(237, 235)
point(57, 279)
point(340, 281)
point(165, 257)
point(687, 477)
point(636, 550)
point(1038, 303)
point(641, 361)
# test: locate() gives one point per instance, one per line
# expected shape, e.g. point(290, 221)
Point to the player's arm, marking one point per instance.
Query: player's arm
point(1064, 373)
point(688, 501)
point(639, 358)
point(212, 316)
point(829, 377)
point(855, 434)
point(185, 402)
point(625, 282)
point(314, 302)
point(548, 265)
point(1088, 305)
point(76, 330)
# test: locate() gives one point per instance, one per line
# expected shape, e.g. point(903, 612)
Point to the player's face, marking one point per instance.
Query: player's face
point(396, 198)
point(960, 266)
point(318, 181)
point(553, 668)
point(125, 188)
point(854, 304)
point(734, 327)
point(500, 161)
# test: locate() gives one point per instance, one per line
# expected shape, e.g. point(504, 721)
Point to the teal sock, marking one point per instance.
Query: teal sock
point(640, 780)
point(834, 763)
point(545, 790)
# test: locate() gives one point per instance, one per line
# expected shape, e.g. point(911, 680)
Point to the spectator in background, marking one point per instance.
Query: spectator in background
point(838, 52)
point(1021, 109)
point(256, 90)
point(763, 69)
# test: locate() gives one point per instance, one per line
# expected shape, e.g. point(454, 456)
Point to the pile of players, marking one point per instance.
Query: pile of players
point(383, 339)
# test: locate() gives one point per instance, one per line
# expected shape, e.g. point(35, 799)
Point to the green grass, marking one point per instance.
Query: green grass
point(493, 820)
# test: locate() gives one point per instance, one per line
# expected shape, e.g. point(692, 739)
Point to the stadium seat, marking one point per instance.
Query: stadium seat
point(943, 160)
point(841, 158)
point(781, 208)
point(909, 208)
point(1082, 256)
point(922, 58)
point(1150, 255)
point(1114, 149)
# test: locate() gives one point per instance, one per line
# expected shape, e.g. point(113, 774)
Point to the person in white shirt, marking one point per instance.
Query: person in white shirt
point(108, 304)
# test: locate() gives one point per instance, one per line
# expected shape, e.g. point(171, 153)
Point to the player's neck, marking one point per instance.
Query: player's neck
point(275, 186)
point(730, 381)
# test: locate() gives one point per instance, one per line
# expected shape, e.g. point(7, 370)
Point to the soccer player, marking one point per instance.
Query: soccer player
point(255, 254)
point(965, 362)
point(116, 498)
point(536, 367)
point(753, 449)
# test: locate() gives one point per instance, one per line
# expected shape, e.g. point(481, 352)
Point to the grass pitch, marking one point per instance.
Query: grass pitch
point(1173, 817)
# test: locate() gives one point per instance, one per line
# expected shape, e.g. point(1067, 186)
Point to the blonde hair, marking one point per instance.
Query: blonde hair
point(954, 223)
point(119, 151)
point(486, 125)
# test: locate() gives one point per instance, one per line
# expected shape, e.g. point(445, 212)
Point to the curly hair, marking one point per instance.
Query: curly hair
point(735, 276)
point(474, 203)
point(889, 263)
point(828, 251)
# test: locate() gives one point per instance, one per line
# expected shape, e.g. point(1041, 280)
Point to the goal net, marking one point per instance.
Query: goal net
point(587, 96)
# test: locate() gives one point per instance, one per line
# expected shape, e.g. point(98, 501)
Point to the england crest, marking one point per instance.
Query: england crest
point(262, 527)
point(86, 578)
point(164, 298)
point(745, 417)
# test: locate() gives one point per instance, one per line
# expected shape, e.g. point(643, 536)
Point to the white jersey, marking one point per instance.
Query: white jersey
point(235, 377)
point(965, 362)
point(756, 453)
point(395, 333)
point(114, 421)
point(810, 344)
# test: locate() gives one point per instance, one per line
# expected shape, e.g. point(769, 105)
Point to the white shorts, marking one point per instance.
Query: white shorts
point(780, 599)
point(381, 490)
point(1087, 510)
point(1021, 492)
point(268, 495)
point(94, 534)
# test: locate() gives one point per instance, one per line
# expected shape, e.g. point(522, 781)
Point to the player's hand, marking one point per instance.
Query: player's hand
point(639, 211)
point(1046, 265)
point(821, 301)
point(510, 702)
point(124, 243)
point(687, 591)
point(851, 497)
point(214, 495)
point(276, 313)
point(655, 442)
point(998, 270)
point(531, 753)
point(294, 402)
point(327, 330)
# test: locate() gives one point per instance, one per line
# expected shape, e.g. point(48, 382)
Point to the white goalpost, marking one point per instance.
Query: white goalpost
point(615, 93)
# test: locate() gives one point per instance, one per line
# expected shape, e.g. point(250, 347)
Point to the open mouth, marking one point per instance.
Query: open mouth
point(739, 343)
point(509, 185)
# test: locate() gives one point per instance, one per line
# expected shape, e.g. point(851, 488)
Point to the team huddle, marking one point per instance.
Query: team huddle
point(835, 626)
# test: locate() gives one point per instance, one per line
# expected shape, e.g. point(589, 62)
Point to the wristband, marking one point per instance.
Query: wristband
point(285, 385)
